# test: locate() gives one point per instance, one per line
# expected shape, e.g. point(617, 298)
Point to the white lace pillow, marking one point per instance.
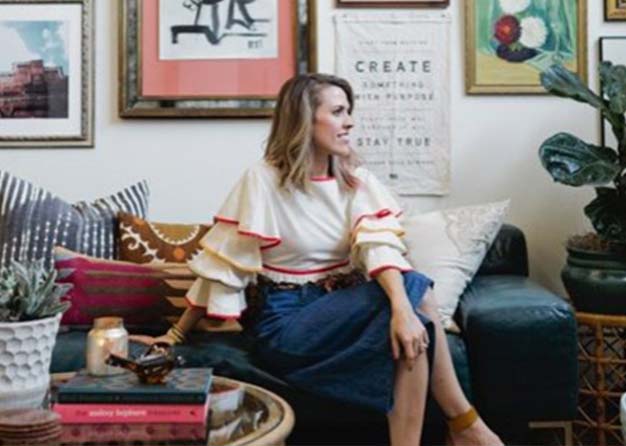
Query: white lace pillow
point(449, 245)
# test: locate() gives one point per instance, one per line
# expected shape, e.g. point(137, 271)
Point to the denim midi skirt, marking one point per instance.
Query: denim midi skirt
point(336, 344)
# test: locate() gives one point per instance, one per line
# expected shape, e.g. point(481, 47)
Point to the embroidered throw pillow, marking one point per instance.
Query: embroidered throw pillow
point(142, 241)
point(449, 245)
point(33, 221)
point(151, 295)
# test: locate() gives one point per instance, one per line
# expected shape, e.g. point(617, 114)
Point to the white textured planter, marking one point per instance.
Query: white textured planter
point(25, 353)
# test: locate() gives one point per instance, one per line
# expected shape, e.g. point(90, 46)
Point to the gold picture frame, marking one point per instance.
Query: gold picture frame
point(190, 87)
point(501, 59)
point(615, 10)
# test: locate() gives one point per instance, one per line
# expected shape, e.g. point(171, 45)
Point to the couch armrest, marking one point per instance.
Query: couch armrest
point(522, 349)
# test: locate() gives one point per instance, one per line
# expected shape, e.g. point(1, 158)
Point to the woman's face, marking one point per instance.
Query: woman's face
point(332, 123)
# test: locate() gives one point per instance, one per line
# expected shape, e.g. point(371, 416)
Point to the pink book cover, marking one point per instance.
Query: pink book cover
point(76, 413)
point(146, 433)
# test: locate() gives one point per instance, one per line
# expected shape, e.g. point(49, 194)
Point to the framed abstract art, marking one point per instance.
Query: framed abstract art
point(46, 73)
point(510, 42)
point(211, 58)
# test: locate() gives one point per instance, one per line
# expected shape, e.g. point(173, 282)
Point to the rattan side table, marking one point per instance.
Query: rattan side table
point(602, 378)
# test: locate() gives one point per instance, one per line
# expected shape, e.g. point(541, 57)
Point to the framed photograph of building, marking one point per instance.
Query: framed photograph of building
point(46, 73)
point(510, 42)
point(207, 58)
point(396, 3)
point(615, 10)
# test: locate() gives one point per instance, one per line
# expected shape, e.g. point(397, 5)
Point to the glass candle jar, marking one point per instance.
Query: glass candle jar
point(108, 335)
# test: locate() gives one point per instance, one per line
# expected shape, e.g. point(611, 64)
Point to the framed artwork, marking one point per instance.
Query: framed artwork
point(510, 42)
point(615, 10)
point(612, 49)
point(203, 58)
point(401, 3)
point(46, 73)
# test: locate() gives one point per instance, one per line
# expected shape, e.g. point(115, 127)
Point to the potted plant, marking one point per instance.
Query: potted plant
point(595, 273)
point(30, 312)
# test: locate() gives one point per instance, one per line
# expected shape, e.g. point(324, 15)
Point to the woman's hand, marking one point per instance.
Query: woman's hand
point(149, 340)
point(409, 337)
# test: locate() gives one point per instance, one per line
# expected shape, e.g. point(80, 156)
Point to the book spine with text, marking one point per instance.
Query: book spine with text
point(132, 413)
point(130, 398)
point(128, 433)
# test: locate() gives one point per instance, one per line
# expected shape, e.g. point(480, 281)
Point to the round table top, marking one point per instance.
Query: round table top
point(264, 419)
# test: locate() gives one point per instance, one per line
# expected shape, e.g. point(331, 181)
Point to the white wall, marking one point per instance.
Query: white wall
point(191, 164)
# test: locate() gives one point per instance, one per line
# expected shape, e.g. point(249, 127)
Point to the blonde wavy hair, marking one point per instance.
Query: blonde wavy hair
point(290, 145)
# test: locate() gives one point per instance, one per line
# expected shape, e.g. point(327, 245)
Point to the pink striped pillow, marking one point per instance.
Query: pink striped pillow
point(151, 295)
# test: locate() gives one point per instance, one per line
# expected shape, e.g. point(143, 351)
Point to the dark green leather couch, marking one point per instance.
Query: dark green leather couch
point(516, 359)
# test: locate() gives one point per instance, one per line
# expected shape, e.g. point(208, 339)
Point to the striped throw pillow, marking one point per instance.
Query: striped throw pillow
point(33, 221)
point(143, 295)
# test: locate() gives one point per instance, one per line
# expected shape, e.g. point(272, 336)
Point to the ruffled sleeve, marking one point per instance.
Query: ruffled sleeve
point(376, 230)
point(231, 250)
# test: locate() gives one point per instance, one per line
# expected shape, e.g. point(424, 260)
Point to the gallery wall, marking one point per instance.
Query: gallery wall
point(191, 164)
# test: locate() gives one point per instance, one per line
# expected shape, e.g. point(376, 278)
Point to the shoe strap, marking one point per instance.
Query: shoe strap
point(463, 421)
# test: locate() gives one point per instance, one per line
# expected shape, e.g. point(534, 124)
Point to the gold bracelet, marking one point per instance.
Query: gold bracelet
point(176, 334)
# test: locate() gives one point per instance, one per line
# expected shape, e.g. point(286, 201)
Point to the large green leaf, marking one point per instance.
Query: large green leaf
point(571, 161)
point(561, 82)
point(613, 79)
point(607, 213)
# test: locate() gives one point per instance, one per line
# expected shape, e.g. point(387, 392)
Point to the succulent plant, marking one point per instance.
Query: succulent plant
point(573, 162)
point(29, 291)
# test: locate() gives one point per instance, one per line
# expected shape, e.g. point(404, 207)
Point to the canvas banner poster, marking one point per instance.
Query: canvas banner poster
point(398, 66)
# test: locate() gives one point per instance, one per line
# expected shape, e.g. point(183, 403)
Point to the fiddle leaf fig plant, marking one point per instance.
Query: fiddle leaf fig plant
point(574, 162)
point(29, 291)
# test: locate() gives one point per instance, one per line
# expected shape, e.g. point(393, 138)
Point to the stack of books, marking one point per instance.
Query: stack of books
point(121, 409)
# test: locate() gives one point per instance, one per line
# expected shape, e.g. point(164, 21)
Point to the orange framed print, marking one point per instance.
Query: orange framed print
point(211, 58)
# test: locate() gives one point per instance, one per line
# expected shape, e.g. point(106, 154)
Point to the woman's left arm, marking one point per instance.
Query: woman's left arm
point(409, 337)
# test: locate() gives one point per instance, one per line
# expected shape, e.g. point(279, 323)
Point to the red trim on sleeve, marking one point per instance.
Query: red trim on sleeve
point(193, 304)
point(306, 271)
point(380, 269)
point(379, 214)
point(274, 241)
point(224, 317)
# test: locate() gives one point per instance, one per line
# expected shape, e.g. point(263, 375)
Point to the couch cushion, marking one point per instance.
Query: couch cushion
point(143, 241)
point(143, 295)
point(33, 220)
point(449, 245)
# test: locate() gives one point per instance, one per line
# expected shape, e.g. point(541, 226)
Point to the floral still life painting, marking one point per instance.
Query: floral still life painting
point(510, 42)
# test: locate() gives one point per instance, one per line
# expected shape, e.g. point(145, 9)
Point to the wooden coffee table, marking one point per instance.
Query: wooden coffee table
point(266, 419)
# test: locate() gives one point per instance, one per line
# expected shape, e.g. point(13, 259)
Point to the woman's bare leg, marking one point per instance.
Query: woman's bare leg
point(446, 388)
point(410, 389)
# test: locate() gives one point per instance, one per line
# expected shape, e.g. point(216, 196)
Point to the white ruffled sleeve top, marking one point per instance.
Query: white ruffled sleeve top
point(293, 237)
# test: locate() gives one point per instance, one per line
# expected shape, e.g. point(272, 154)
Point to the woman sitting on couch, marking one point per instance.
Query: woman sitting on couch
point(299, 222)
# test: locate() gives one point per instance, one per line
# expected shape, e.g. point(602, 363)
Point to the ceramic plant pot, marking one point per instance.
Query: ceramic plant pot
point(596, 281)
point(25, 353)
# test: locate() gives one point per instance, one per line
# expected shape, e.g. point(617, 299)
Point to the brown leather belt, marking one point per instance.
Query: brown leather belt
point(329, 283)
